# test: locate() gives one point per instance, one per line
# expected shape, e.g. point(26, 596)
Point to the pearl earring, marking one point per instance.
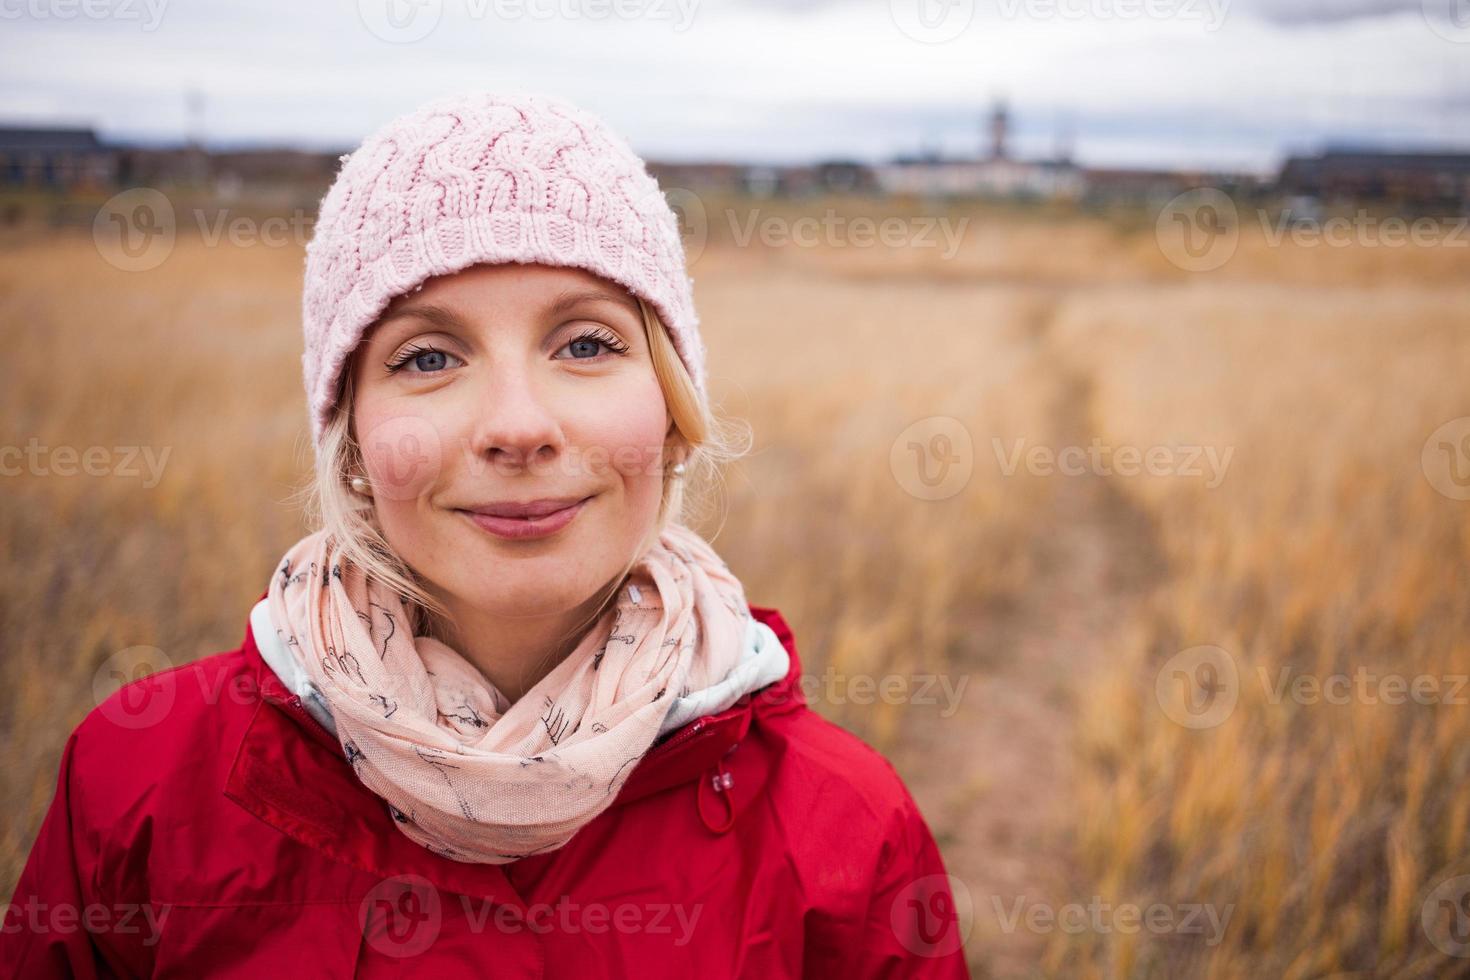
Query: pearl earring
point(360, 485)
point(679, 468)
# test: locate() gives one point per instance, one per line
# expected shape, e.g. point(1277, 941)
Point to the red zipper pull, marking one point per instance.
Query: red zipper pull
point(721, 783)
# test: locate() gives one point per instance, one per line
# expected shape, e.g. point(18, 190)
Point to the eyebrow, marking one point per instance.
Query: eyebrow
point(443, 317)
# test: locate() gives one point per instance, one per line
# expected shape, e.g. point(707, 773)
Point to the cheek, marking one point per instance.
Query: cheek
point(628, 435)
point(403, 455)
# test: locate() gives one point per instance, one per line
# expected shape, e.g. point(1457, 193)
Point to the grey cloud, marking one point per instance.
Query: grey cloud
point(1297, 13)
point(1286, 13)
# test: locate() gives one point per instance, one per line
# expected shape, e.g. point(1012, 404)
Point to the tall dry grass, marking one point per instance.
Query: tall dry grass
point(192, 365)
point(1322, 824)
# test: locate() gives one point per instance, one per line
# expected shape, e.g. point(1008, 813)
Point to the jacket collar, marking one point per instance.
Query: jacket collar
point(290, 772)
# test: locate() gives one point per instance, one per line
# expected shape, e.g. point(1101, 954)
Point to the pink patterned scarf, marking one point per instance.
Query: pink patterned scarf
point(468, 776)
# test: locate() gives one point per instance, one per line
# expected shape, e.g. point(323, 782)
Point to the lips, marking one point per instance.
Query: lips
point(538, 518)
point(522, 510)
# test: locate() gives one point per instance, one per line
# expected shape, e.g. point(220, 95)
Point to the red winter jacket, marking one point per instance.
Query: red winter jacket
point(204, 825)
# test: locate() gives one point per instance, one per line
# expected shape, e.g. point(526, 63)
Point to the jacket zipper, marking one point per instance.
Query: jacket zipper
point(684, 736)
point(294, 702)
point(694, 729)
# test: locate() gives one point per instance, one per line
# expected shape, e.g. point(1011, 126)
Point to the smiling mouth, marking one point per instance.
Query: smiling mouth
point(522, 528)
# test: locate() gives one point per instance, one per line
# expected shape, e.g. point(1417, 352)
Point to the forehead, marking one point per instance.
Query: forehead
point(514, 285)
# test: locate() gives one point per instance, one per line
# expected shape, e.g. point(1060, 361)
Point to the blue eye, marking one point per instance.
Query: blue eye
point(589, 342)
point(426, 360)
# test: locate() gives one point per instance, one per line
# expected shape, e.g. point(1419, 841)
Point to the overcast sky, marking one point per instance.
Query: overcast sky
point(1218, 83)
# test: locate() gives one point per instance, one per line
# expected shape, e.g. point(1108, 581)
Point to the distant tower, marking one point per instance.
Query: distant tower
point(1066, 137)
point(194, 103)
point(196, 161)
point(1000, 124)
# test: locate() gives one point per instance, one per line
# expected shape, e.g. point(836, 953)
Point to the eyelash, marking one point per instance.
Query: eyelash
point(604, 336)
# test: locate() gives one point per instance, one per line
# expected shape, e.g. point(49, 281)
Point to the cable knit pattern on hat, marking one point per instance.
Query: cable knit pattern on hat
point(485, 177)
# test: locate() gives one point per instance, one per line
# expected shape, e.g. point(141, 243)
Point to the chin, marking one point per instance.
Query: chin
point(531, 600)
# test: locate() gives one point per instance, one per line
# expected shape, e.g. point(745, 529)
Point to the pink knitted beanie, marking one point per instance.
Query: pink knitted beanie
point(479, 178)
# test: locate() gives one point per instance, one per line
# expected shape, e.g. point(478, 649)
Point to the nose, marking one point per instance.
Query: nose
point(515, 427)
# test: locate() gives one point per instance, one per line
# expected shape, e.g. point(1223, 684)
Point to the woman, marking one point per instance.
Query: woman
point(503, 714)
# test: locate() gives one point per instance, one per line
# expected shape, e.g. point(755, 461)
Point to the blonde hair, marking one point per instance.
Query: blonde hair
point(704, 441)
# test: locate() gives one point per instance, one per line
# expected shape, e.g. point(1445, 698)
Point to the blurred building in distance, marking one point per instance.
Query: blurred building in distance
point(766, 180)
point(1416, 181)
point(1109, 186)
point(997, 178)
point(995, 174)
point(59, 158)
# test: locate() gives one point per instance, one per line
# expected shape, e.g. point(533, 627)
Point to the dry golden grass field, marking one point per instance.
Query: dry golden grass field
point(1208, 719)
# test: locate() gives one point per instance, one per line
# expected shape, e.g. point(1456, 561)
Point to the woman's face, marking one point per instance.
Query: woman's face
point(505, 385)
